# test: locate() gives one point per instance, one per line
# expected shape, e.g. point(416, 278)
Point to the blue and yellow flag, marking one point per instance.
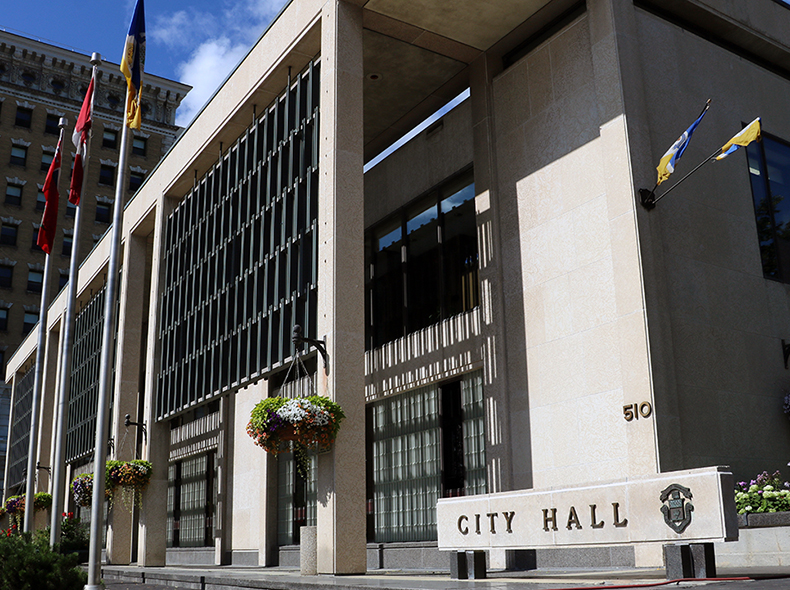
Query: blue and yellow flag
point(747, 135)
point(667, 164)
point(132, 65)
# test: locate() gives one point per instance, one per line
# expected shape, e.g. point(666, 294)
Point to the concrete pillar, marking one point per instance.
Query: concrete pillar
point(152, 539)
point(127, 386)
point(507, 456)
point(341, 472)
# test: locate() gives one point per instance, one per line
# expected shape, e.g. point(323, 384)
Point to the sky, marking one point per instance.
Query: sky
point(197, 42)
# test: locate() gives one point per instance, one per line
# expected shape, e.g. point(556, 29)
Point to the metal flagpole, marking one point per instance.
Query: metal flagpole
point(35, 412)
point(64, 371)
point(105, 371)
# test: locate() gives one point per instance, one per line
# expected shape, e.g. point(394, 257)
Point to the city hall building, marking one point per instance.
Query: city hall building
point(500, 312)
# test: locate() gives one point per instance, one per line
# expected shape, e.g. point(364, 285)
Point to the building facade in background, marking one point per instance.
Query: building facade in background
point(500, 312)
point(39, 84)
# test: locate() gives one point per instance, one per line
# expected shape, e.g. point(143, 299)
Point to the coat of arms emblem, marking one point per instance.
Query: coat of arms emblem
point(676, 507)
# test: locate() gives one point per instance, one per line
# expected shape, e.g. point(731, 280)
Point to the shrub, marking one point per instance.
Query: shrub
point(765, 493)
point(36, 566)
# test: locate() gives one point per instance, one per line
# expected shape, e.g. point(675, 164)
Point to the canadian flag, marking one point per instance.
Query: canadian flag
point(80, 140)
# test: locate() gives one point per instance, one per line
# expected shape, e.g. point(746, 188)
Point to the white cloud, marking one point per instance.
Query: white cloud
point(208, 66)
point(214, 45)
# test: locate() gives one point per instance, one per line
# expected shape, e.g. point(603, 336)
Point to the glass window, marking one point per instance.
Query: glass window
point(51, 125)
point(18, 155)
point(135, 180)
point(13, 194)
point(63, 280)
point(139, 146)
point(6, 275)
point(103, 212)
point(35, 279)
point(8, 234)
point(41, 201)
point(67, 241)
point(107, 174)
point(423, 263)
point(110, 139)
point(71, 209)
point(3, 319)
point(34, 244)
point(769, 170)
point(24, 116)
point(31, 319)
point(46, 160)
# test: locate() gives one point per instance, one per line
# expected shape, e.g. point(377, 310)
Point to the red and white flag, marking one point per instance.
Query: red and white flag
point(80, 140)
point(49, 221)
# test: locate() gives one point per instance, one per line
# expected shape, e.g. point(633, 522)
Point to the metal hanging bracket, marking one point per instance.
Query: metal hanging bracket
point(320, 345)
point(128, 422)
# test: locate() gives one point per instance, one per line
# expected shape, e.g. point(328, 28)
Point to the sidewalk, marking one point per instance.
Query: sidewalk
point(257, 578)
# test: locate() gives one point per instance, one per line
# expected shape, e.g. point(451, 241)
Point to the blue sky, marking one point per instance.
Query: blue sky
point(197, 42)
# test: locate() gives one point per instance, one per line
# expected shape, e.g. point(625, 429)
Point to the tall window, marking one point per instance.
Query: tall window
point(31, 319)
point(769, 170)
point(18, 155)
point(139, 146)
point(107, 174)
point(423, 263)
point(423, 445)
point(41, 201)
point(8, 234)
point(46, 160)
point(51, 125)
point(103, 212)
point(23, 117)
point(67, 241)
point(135, 180)
point(35, 279)
point(110, 139)
point(6, 275)
point(13, 194)
point(3, 319)
point(191, 497)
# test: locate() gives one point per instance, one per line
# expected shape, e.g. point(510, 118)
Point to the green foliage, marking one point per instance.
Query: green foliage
point(42, 501)
point(36, 567)
point(74, 534)
point(765, 493)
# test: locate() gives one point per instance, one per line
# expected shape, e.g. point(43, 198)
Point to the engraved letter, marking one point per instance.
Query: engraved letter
point(464, 530)
point(573, 519)
point(550, 519)
point(477, 523)
point(617, 522)
point(509, 520)
point(593, 524)
point(492, 517)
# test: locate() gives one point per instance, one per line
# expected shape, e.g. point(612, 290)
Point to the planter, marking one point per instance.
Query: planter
point(308, 422)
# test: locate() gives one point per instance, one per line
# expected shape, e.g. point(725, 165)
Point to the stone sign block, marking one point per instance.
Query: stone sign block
point(681, 506)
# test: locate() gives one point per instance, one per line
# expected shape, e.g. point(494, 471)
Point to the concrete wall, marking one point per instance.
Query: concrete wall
point(569, 257)
point(715, 322)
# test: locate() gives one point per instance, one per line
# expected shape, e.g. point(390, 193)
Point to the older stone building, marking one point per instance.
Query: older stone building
point(39, 84)
point(500, 312)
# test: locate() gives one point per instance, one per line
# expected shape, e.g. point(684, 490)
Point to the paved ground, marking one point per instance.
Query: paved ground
point(249, 578)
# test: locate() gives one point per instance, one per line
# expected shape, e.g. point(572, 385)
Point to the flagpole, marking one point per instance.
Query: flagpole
point(700, 165)
point(64, 371)
point(105, 371)
point(35, 412)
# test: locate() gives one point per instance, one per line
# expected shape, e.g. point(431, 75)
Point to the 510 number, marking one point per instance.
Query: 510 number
point(634, 411)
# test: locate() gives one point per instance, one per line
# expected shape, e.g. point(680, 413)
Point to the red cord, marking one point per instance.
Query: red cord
point(654, 584)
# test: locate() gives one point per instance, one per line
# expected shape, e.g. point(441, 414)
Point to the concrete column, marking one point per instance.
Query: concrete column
point(341, 472)
point(152, 539)
point(507, 449)
point(127, 386)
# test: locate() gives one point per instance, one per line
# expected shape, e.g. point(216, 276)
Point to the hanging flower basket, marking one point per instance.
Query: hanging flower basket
point(42, 501)
point(312, 422)
point(15, 505)
point(82, 489)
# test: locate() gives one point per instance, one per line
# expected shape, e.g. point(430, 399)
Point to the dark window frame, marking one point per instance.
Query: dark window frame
point(24, 117)
point(9, 238)
point(13, 199)
point(18, 160)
